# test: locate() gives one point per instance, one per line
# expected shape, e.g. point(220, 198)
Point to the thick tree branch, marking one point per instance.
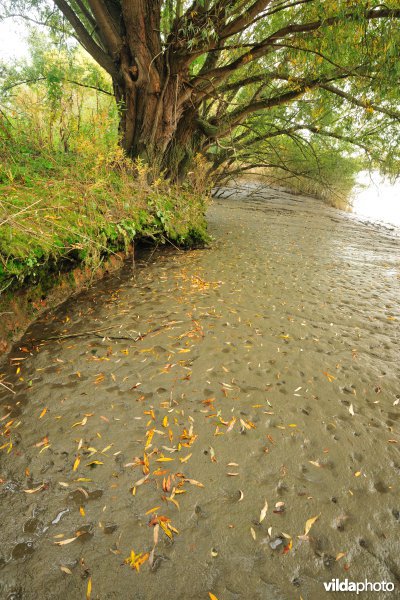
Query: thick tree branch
point(236, 117)
point(85, 38)
point(244, 19)
point(86, 13)
point(107, 28)
point(219, 74)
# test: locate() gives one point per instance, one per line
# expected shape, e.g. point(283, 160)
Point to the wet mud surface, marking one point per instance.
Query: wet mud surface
point(205, 411)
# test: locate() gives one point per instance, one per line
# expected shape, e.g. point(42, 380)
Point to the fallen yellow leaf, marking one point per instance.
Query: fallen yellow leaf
point(310, 523)
point(89, 589)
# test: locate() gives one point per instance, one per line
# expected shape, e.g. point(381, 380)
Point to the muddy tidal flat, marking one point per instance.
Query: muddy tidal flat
point(222, 423)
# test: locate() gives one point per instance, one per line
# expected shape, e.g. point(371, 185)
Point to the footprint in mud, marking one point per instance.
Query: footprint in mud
point(70, 385)
point(82, 495)
point(85, 532)
point(356, 457)
point(22, 550)
point(110, 528)
point(161, 390)
point(32, 525)
point(381, 487)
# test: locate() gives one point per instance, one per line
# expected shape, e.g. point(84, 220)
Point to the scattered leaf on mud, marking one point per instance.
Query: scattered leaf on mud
point(83, 492)
point(152, 510)
point(329, 377)
point(43, 442)
point(194, 482)
point(76, 463)
point(351, 410)
point(340, 555)
point(65, 542)
point(309, 524)
point(83, 422)
point(155, 533)
point(279, 507)
point(263, 513)
point(34, 490)
point(166, 529)
point(66, 570)
point(231, 424)
point(149, 437)
point(106, 448)
point(253, 533)
point(212, 596)
point(136, 560)
point(186, 458)
point(89, 589)
point(288, 547)
point(141, 481)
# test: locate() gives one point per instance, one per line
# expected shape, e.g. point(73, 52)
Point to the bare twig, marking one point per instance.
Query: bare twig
point(7, 388)
point(96, 333)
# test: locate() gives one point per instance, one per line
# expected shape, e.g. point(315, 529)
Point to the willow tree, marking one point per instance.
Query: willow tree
point(225, 77)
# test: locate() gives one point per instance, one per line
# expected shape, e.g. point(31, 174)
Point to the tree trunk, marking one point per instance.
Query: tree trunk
point(157, 112)
point(156, 122)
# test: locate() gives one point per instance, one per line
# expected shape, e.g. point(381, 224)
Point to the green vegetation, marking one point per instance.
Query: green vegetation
point(61, 211)
point(122, 119)
point(68, 194)
point(327, 175)
point(240, 82)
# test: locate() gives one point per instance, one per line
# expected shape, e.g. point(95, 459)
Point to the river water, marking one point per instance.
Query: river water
point(240, 391)
point(376, 198)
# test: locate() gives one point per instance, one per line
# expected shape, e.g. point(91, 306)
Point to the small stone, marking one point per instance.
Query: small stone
point(275, 543)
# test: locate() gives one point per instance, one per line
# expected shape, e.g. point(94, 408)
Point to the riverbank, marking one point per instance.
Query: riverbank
point(231, 414)
point(62, 227)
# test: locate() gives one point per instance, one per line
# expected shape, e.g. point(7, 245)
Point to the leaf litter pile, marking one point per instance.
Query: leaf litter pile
point(224, 412)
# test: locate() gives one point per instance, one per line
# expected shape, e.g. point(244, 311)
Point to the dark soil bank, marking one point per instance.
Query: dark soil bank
point(232, 414)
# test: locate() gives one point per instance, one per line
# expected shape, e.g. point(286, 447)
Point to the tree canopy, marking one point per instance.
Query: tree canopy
point(261, 83)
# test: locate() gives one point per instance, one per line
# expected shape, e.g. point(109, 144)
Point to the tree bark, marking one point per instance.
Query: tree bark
point(158, 118)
